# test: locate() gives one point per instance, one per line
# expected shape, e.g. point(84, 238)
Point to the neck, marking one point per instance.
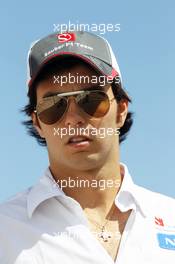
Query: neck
point(93, 189)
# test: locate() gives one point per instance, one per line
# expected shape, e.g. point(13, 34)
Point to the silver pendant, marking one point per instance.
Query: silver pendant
point(105, 235)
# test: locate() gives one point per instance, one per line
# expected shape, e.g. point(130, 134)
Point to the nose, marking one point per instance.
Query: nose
point(73, 116)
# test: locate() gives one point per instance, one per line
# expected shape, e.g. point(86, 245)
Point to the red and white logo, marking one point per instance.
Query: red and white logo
point(65, 37)
point(159, 221)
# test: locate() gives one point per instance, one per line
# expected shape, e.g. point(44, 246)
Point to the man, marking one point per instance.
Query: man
point(85, 208)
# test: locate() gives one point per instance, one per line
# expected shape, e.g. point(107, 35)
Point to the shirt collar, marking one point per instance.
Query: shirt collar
point(43, 190)
point(130, 196)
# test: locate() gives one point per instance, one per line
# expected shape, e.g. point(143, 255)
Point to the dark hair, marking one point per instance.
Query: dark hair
point(52, 68)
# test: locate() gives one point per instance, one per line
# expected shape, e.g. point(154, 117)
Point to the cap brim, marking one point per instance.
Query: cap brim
point(98, 65)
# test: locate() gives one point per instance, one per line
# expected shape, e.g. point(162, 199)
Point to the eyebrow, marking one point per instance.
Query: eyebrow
point(48, 94)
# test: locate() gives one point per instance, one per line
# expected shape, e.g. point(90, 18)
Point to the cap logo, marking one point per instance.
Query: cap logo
point(65, 37)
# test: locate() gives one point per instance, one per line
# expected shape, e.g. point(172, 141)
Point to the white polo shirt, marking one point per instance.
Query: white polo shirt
point(42, 225)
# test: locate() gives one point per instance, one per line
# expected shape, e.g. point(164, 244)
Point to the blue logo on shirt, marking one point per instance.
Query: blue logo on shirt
point(166, 241)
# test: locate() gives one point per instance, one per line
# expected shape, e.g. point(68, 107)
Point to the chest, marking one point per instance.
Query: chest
point(110, 236)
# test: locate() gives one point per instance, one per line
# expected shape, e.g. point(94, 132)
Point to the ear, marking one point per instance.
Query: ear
point(36, 124)
point(122, 110)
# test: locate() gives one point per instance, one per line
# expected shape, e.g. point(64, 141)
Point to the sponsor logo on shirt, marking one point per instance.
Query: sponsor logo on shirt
point(166, 241)
point(159, 221)
point(161, 225)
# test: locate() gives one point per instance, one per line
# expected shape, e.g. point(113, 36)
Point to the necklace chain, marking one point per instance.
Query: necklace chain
point(104, 234)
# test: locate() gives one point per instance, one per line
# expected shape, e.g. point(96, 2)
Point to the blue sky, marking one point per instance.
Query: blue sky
point(145, 48)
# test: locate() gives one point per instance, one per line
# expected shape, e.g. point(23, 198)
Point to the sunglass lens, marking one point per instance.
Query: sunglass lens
point(53, 113)
point(95, 104)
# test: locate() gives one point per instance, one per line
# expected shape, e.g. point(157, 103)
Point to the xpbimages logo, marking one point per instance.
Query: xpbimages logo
point(100, 28)
point(85, 79)
point(101, 132)
point(77, 182)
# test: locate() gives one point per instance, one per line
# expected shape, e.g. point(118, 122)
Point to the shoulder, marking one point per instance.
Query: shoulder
point(15, 206)
point(156, 203)
point(13, 222)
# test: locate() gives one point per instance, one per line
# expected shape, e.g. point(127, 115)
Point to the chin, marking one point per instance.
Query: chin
point(88, 162)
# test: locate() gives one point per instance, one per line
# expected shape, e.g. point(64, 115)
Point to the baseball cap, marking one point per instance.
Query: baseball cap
point(93, 49)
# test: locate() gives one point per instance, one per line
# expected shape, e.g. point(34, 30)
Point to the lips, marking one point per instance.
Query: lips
point(78, 139)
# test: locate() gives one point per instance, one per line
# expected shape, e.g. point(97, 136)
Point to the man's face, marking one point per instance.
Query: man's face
point(101, 145)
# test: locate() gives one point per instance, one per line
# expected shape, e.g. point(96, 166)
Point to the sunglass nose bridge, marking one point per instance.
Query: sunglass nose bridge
point(77, 95)
point(71, 100)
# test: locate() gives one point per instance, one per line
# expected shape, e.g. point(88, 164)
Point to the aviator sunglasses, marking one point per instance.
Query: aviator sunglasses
point(51, 109)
